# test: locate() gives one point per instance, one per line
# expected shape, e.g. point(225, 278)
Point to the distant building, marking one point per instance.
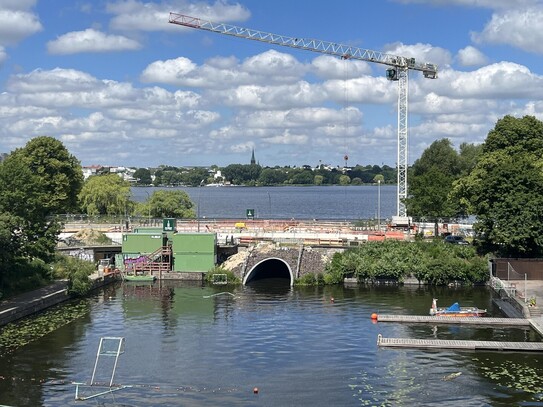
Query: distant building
point(91, 170)
point(253, 161)
point(124, 172)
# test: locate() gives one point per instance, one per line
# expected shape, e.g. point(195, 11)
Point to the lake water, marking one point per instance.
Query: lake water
point(312, 202)
point(188, 345)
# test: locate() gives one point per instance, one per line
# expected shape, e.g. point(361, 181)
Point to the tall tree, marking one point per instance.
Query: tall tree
point(38, 181)
point(505, 189)
point(143, 176)
point(431, 182)
point(59, 173)
point(168, 204)
point(106, 194)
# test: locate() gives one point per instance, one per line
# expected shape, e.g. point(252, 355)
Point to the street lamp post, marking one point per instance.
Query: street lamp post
point(149, 207)
point(379, 205)
point(198, 209)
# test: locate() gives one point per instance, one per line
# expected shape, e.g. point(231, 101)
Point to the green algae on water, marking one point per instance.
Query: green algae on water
point(24, 331)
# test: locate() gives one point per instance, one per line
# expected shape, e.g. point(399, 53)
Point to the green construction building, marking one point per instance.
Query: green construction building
point(177, 253)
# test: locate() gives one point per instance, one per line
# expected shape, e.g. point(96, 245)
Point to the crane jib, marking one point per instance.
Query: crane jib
point(398, 72)
point(326, 47)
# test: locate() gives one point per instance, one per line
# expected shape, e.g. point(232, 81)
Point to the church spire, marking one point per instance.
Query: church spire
point(253, 161)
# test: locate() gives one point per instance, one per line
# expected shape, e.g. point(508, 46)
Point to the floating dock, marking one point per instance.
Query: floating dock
point(459, 345)
point(427, 319)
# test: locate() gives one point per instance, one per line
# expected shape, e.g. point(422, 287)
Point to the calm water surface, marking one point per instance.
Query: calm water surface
point(312, 202)
point(188, 345)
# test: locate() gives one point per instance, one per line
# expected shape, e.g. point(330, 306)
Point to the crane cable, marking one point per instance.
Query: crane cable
point(345, 112)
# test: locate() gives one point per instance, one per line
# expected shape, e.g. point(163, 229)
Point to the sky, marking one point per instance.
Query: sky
point(120, 86)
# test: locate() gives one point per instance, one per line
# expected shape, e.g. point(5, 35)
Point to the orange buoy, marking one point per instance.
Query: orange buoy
point(374, 316)
point(255, 390)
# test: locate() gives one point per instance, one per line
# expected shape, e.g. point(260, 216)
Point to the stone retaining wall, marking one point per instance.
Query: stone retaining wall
point(38, 300)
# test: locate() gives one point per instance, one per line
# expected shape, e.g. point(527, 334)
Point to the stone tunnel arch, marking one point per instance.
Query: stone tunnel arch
point(272, 267)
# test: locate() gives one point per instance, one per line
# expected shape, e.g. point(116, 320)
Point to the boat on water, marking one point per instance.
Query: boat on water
point(141, 277)
point(456, 310)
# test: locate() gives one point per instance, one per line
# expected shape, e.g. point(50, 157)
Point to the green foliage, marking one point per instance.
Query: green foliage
point(318, 180)
point(430, 262)
point(356, 181)
point(59, 173)
point(24, 331)
point(143, 176)
point(432, 180)
point(37, 182)
point(76, 271)
point(301, 177)
point(344, 180)
point(21, 275)
point(505, 189)
point(106, 195)
point(252, 174)
point(167, 204)
point(239, 174)
point(231, 277)
point(310, 279)
point(272, 176)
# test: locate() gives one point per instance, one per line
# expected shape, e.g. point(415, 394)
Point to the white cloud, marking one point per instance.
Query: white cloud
point(471, 56)
point(3, 55)
point(491, 4)
point(132, 15)
point(365, 89)
point(273, 64)
point(221, 73)
point(329, 67)
point(521, 28)
point(81, 110)
point(90, 40)
point(17, 22)
point(270, 97)
point(314, 117)
point(497, 81)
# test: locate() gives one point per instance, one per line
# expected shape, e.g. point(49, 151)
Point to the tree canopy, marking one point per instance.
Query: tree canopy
point(505, 189)
point(431, 181)
point(168, 204)
point(37, 182)
point(143, 176)
point(106, 194)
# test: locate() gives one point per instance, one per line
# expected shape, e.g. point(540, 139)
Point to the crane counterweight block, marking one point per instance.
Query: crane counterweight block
point(398, 71)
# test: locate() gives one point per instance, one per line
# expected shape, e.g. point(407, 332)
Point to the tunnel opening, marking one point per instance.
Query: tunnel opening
point(270, 270)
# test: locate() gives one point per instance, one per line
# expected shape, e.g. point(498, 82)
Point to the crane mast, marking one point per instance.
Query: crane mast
point(398, 71)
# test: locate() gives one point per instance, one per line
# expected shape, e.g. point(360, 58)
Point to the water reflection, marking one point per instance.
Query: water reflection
point(188, 344)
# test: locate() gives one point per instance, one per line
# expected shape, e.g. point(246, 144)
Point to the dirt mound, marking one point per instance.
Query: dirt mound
point(235, 260)
point(90, 237)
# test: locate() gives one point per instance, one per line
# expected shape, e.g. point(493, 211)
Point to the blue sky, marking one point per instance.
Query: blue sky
point(119, 85)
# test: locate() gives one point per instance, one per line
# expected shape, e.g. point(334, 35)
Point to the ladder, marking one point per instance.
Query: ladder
point(109, 347)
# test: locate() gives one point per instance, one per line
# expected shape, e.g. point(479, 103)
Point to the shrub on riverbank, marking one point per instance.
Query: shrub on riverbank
point(310, 280)
point(430, 262)
point(231, 278)
point(76, 271)
point(23, 275)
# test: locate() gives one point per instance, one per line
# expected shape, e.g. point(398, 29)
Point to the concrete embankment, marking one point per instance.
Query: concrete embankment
point(38, 300)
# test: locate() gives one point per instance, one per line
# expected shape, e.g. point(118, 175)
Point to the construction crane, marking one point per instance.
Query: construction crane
point(397, 71)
